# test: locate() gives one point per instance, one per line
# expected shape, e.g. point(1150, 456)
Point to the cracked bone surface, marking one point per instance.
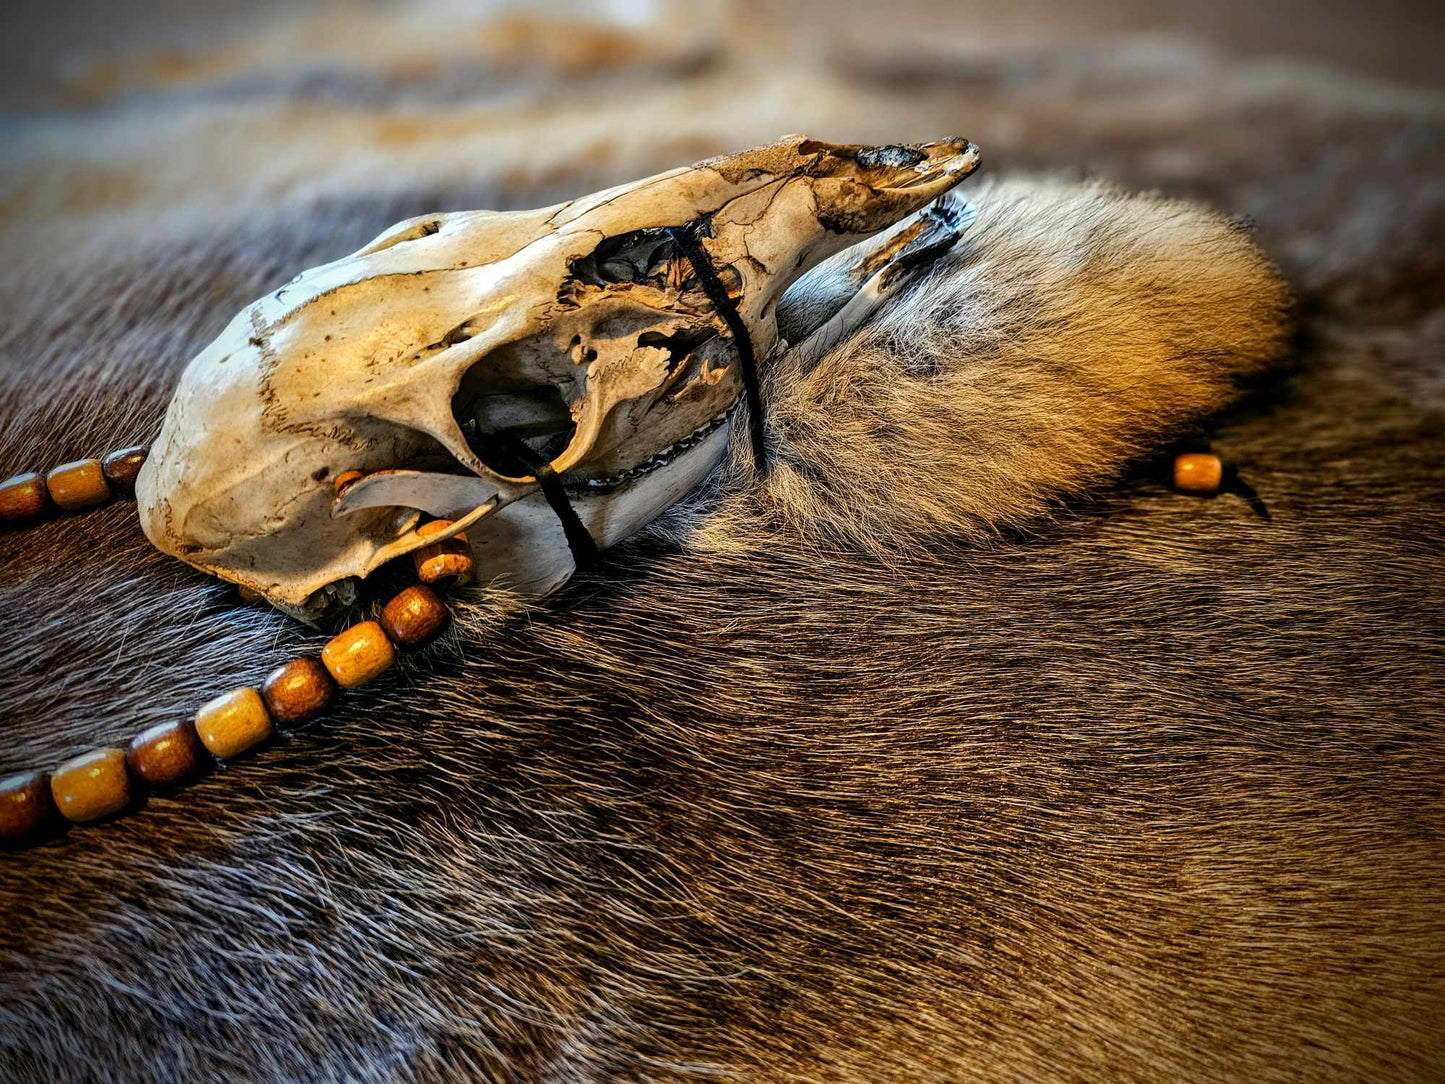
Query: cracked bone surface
point(422, 359)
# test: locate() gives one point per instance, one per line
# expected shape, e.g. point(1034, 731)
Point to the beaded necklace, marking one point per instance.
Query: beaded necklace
point(104, 782)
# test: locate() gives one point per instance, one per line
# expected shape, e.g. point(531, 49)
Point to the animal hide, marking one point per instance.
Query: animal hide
point(962, 749)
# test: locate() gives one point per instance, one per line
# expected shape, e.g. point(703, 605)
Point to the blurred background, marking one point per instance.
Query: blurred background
point(156, 121)
point(71, 49)
point(537, 85)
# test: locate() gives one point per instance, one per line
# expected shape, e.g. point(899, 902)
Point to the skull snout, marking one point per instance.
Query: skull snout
point(860, 190)
point(894, 165)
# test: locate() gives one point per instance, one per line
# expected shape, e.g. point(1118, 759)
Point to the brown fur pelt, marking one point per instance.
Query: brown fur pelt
point(964, 749)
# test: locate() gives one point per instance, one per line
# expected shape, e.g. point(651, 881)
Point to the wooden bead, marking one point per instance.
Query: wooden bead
point(448, 560)
point(298, 691)
point(24, 497)
point(92, 785)
point(359, 654)
point(234, 722)
point(26, 806)
point(166, 754)
point(78, 486)
point(415, 617)
point(121, 467)
point(249, 595)
point(1198, 472)
point(345, 478)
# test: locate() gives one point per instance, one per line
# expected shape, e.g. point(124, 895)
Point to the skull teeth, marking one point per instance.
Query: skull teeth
point(667, 455)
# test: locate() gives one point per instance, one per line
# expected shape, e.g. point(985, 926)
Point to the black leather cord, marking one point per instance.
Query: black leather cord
point(579, 541)
point(582, 544)
point(686, 240)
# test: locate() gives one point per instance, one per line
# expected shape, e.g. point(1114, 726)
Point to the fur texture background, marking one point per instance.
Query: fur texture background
point(1142, 787)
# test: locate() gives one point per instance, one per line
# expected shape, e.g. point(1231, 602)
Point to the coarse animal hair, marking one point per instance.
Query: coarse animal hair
point(998, 760)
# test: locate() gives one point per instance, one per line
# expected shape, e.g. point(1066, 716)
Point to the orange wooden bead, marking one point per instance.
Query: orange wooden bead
point(415, 617)
point(92, 785)
point(166, 754)
point(345, 478)
point(298, 691)
point(448, 560)
point(234, 722)
point(24, 497)
point(121, 467)
point(359, 654)
point(1198, 472)
point(26, 806)
point(79, 485)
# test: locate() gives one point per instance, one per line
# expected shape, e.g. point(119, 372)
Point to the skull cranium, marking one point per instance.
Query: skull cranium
point(579, 329)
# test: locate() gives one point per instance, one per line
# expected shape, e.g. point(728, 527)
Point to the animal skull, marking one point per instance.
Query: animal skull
point(579, 329)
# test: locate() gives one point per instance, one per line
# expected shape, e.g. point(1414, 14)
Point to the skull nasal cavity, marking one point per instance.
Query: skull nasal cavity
point(647, 256)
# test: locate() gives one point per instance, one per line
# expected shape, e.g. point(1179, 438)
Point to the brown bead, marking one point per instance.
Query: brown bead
point(249, 595)
point(359, 654)
point(78, 486)
point(1198, 472)
point(26, 806)
point(166, 754)
point(24, 497)
point(345, 478)
point(449, 560)
point(298, 691)
point(92, 785)
point(233, 722)
point(415, 617)
point(121, 467)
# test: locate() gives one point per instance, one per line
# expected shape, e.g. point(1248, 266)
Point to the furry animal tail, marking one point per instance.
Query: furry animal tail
point(1073, 328)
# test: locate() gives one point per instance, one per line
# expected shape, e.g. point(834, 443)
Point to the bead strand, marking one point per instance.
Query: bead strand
point(71, 487)
point(1200, 473)
point(105, 781)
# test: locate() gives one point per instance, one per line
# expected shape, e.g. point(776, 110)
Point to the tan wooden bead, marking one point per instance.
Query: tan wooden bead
point(24, 497)
point(359, 654)
point(415, 617)
point(1198, 472)
point(345, 478)
point(298, 691)
point(26, 806)
point(121, 467)
point(166, 754)
point(449, 560)
point(234, 722)
point(92, 785)
point(79, 485)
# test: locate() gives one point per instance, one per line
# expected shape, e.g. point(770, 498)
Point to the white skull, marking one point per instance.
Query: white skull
point(580, 329)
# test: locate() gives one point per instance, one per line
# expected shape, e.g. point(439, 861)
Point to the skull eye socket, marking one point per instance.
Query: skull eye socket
point(515, 404)
point(494, 421)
